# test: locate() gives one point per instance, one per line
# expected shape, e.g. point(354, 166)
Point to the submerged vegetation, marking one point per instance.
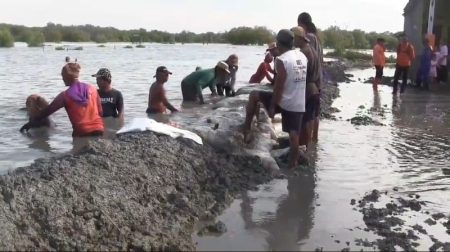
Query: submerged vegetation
point(332, 37)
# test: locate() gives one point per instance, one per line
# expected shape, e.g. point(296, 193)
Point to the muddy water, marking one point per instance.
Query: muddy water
point(313, 210)
point(25, 71)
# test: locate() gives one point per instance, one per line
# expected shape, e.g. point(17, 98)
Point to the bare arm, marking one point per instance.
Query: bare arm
point(167, 103)
point(279, 83)
point(120, 108)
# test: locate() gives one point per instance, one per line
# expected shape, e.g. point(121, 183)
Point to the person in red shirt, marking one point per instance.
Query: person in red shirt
point(82, 104)
point(379, 60)
point(264, 70)
point(157, 100)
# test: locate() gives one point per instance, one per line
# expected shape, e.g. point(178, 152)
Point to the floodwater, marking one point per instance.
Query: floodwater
point(26, 71)
point(313, 211)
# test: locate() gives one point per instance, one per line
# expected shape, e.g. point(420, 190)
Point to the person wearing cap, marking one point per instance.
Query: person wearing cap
point(288, 96)
point(81, 102)
point(227, 84)
point(313, 75)
point(111, 99)
point(405, 56)
point(193, 84)
point(264, 70)
point(157, 100)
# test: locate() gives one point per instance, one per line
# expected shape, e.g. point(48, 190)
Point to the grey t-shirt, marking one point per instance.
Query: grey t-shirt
point(313, 71)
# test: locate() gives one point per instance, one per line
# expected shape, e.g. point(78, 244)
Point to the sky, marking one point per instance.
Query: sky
point(206, 15)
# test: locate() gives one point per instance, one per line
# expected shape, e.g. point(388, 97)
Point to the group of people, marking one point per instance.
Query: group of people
point(432, 68)
point(296, 80)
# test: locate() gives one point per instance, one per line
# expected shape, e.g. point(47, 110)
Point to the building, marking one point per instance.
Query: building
point(419, 21)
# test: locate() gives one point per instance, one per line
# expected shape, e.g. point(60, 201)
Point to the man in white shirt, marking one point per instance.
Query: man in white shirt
point(442, 71)
point(288, 96)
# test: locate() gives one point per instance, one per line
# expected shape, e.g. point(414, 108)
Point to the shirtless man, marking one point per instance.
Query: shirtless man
point(157, 100)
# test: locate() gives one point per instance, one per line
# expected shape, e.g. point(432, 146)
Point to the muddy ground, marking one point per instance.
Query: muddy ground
point(140, 191)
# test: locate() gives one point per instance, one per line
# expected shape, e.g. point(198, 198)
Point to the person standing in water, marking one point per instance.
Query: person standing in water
point(111, 99)
point(81, 102)
point(193, 84)
point(405, 56)
point(157, 100)
point(379, 60)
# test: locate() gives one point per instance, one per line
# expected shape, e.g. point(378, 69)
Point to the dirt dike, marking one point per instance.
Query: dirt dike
point(139, 191)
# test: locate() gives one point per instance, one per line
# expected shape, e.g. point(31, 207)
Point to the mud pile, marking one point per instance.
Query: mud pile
point(140, 191)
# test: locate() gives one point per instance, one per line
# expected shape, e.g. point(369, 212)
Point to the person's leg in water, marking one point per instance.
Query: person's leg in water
point(316, 121)
point(292, 123)
point(405, 71)
point(396, 77)
point(294, 152)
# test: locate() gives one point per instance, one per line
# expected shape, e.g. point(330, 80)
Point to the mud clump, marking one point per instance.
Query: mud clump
point(364, 120)
point(141, 191)
point(216, 228)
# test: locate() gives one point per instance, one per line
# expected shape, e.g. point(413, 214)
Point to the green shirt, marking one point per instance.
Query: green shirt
point(201, 78)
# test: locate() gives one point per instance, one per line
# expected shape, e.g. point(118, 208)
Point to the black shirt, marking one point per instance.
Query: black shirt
point(112, 102)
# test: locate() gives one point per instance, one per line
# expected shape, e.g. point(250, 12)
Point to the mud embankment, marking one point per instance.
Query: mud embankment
point(140, 191)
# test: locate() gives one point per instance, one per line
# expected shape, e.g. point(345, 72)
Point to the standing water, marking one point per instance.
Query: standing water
point(313, 211)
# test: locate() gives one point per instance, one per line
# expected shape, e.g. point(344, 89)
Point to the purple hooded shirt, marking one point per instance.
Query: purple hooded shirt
point(79, 92)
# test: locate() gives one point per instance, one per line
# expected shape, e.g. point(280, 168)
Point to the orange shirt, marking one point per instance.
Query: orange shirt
point(85, 119)
point(378, 55)
point(405, 54)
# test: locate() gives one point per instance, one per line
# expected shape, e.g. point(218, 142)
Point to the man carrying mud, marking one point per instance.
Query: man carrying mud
point(193, 84)
point(288, 96)
point(313, 76)
point(157, 100)
point(111, 99)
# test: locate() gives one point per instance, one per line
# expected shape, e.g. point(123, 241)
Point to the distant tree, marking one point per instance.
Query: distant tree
point(249, 36)
point(360, 40)
point(35, 39)
point(6, 38)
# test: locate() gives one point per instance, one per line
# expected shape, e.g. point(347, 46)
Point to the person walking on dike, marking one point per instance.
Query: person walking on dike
point(313, 75)
point(157, 99)
point(264, 70)
point(111, 99)
point(193, 84)
point(305, 21)
point(442, 71)
point(81, 102)
point(405, 56)
point(423, 74)
point(379, 60)
point(288, 96)
point(227, 84)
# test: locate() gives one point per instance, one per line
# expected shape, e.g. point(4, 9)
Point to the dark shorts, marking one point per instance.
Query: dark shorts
point(189, 93)
point(379, 71)
point(312, 109)
point(290, 121)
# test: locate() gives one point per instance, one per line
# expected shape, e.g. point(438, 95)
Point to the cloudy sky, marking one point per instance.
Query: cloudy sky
point(206, 15)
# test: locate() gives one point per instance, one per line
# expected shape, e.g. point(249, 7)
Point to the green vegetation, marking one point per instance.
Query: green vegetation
point(333, 37)
point(60, 48)
point(6, 38)
point(128, 47)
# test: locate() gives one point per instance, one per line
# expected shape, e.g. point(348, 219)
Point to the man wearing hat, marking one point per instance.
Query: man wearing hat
point(193, 84)
point(111, 99)
point(288, 96)
point(157, 100)
point(313, 76)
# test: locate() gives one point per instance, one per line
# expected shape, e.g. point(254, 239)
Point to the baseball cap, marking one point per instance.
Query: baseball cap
point(103, 73)
point(162, 69)
point(299, 32)
point(224, 66)
point(285, 37)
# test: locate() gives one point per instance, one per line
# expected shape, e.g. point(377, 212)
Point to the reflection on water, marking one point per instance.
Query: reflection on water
point(305, 213)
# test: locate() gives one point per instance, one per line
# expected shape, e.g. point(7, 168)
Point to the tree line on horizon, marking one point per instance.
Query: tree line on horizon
point(332, 37)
